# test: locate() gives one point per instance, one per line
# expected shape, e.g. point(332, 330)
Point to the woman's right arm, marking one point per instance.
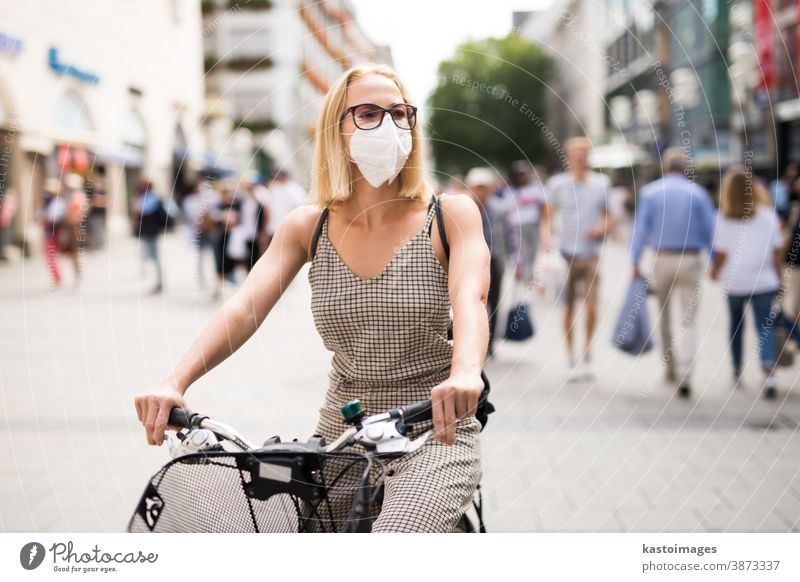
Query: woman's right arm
point(234, 323)
point(717, 263)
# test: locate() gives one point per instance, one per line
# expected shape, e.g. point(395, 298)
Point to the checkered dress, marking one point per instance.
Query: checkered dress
point(389, 341)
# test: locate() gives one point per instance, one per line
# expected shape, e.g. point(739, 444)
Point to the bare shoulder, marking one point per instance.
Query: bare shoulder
point(298, 226)
point(304, 217)
point(460, 209)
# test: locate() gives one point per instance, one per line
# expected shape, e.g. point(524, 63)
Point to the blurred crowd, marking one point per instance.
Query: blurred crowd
point(545, 232)
point(548, 233)
point(233, 221)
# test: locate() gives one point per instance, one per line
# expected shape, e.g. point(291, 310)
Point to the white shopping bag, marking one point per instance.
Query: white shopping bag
point(552, 273)
point(237, 243)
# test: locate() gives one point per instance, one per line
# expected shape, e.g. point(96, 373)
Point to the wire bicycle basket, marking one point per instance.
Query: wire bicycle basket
point(254, 492)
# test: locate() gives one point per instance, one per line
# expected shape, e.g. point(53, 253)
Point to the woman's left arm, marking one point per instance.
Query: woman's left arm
point(468, 275)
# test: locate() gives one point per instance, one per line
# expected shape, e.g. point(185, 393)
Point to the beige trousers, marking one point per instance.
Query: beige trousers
point(677, 279)
point(792, 281)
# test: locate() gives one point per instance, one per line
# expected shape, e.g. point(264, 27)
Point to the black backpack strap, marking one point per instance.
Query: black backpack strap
point(317, 231)
point(478, 505)
point(440, 225)
point(485, 408)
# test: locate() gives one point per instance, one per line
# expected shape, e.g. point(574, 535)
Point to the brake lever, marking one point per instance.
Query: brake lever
point(388, 437)
point(413, 445)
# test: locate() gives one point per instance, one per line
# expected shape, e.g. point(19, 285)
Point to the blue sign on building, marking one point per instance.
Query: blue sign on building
point(65, 69)
point(10, 43)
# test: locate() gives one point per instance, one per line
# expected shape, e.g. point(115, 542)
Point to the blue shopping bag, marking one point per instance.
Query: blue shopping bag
point(519, 324)
point(633, 332)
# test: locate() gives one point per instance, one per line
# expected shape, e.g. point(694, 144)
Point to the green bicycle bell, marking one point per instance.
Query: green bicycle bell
point(353, 411)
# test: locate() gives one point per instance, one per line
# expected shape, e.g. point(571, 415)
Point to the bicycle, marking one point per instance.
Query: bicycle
point(219, 481)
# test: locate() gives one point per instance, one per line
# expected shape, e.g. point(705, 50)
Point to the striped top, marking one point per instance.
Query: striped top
point(581, 206)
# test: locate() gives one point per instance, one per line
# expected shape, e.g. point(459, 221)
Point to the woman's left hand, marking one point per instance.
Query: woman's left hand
point(454, 399)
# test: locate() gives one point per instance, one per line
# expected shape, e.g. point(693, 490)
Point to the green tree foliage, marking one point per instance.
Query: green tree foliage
point(485, 107)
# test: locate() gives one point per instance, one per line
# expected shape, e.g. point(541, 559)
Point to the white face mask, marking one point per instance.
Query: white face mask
point(380, 153)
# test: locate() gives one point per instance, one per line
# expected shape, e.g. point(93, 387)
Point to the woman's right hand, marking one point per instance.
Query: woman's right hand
point(153, 408)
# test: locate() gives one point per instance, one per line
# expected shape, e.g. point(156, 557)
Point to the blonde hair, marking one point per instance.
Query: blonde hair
point(331, 179)
point(741, 194)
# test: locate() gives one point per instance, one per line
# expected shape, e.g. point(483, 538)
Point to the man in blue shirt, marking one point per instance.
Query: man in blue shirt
point(676, 218)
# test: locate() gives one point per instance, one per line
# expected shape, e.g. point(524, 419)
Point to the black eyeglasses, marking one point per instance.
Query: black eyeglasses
point(370, 116)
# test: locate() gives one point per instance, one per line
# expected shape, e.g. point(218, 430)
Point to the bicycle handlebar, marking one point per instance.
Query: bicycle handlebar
point(184, 418)
point(417, 412)
point(181, 418)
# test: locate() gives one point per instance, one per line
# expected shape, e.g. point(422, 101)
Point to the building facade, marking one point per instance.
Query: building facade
point(568, 31)
point(774, 101)
point(273, 61)
point(666, 79)
point(719, 79)
point(112, 91)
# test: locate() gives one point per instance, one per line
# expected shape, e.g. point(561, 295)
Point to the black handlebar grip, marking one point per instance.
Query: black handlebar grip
point(417, 412)
point(180, 418)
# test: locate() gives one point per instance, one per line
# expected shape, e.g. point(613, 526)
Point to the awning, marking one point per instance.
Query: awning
point(44, 141)
point(128, 156)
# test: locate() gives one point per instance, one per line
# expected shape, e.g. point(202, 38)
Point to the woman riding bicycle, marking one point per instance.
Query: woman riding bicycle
point(382, 286)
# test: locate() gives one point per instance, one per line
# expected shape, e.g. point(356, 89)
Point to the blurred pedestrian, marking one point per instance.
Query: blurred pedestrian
point(96, 221)
point(252, 224)
point(622, 205)
point(748, 254)
point(780, 190)
point(73, 230)
point(284, 196)
point(51, 215)
point(526, 193)
point(792, 261)
point(494, 216)
point(256, 180)
point(580, 197)
point(8, 210)
point(675, 216)
point(226, 217)
point(198, 207)
point(149, 218)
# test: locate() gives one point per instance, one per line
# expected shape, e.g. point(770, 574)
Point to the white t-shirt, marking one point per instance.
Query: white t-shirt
point(528, 200)
point(749, 246)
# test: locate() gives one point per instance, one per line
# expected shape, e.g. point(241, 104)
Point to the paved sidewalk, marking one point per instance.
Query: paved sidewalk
point(620, 454)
